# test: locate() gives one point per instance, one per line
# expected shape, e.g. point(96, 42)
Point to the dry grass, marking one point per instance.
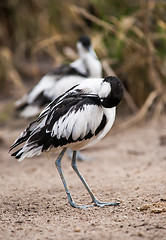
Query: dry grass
point(129, 37)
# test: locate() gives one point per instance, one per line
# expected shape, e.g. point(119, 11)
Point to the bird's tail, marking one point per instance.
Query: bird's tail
point(21, 103)
point(30, 111)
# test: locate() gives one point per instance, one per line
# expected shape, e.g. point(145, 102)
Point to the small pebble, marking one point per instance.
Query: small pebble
point(144, 207)
point(141, 234)
point(157, 210)
point(77, 229)
point(163, 199)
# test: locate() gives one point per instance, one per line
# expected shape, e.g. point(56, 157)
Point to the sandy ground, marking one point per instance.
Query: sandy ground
point(128, 166)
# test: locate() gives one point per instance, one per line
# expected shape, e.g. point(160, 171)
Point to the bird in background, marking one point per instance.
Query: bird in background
point(59, 80)
point(79, 118)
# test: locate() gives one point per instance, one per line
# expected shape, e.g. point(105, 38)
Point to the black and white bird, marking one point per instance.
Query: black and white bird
point(77, 119)
point(56, 82)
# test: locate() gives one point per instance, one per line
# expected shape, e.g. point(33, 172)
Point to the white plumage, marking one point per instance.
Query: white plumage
point(61, 79)
point(77, 119)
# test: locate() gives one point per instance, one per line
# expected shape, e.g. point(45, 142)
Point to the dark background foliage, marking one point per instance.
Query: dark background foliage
point(128, 35)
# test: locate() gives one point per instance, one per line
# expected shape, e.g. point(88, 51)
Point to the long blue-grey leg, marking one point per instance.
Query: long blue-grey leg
point(58, 165)
point(94, 199)
point(80, 156)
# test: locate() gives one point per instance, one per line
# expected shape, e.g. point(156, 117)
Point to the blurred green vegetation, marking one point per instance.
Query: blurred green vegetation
point(129, 35)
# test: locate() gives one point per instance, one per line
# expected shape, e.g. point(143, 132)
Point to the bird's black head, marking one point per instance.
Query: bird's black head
point(116, 94)
point(85, 40)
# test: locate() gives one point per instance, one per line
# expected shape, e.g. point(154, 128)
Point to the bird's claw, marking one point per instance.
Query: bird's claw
point(103, 204)
point(82, 206)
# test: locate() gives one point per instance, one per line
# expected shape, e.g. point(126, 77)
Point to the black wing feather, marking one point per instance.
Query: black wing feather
point(66, 70)
point(70, 101)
